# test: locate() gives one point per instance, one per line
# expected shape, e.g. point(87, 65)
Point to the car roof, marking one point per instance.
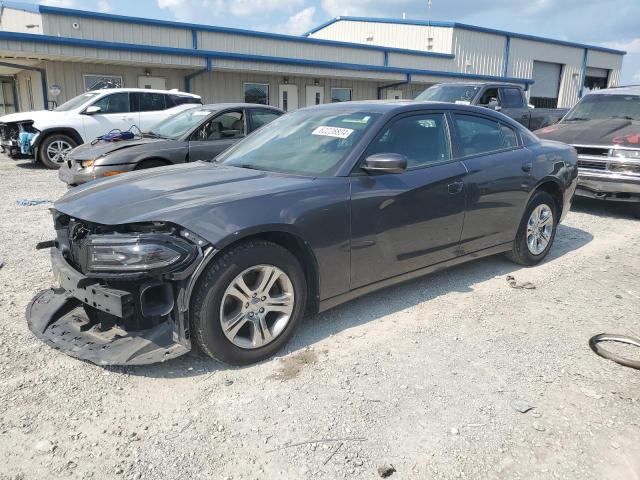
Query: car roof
point(623, 90)
point(480, 84)
point(145, 90)
point(220, 106)
point(398, 106)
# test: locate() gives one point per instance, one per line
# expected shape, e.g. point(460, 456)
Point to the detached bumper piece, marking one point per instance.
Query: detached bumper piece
point(62, 323)
point(87, 320)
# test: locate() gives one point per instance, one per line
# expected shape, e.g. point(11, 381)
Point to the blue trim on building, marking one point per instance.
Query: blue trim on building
point(237, 31)
point(507, 46)
point(187, 78)
point(205, 54)
point(386, 59)
point(464, 26)
point(585, 58)
point(194, 39)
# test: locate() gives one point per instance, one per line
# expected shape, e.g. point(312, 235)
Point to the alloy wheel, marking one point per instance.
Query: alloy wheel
point(57, 151)
point(257, 306)
point(540, 229)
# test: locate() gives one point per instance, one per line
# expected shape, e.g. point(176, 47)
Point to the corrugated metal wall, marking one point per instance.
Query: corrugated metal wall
point(412, 37)
point(227, 42)
point(479, 53)
point(13, 20)
point(229, 86)
point(110, 31)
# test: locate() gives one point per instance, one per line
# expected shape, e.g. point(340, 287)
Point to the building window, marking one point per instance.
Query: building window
point(340, 95)
point(595, 79)
point(256, 93)
point(96, 82)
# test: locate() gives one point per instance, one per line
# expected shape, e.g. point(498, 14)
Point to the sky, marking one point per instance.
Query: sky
point(612, 23)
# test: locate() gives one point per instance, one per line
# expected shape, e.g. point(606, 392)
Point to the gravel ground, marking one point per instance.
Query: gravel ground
point(424, 377)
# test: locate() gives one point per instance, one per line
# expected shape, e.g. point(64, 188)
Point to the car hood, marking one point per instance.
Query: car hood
point(89, 151)
point(606, 132)
point(35, 116)
point(178, 194)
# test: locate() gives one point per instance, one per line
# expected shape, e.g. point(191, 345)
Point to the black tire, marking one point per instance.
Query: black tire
point(43, 149)
point(143, 165)
point(520, 252)
point(206, 301)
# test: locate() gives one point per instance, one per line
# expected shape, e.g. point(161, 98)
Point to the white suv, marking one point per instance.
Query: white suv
point(48, 135)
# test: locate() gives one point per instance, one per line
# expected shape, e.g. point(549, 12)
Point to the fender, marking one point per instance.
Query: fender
point(72, 132)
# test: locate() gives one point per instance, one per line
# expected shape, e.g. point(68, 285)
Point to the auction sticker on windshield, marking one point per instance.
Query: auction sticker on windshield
point(335, 132)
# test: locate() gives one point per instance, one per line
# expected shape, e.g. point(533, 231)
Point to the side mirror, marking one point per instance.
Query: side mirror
point(385, 163)
point(92, 110)
point(494, 105)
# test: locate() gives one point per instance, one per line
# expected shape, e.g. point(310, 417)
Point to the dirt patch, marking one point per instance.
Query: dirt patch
point(291, 366)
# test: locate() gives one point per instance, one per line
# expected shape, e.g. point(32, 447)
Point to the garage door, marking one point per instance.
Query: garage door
point(544, 93)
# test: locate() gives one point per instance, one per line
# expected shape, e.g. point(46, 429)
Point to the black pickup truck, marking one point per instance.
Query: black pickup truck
point(506, 98)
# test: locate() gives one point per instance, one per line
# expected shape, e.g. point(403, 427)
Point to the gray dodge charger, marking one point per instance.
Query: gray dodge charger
point(316, 208)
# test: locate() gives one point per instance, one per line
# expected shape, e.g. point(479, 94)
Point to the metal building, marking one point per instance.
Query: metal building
point(49, 55)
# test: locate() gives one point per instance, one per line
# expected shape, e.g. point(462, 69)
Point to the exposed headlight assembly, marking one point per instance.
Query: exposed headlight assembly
point(139, 253)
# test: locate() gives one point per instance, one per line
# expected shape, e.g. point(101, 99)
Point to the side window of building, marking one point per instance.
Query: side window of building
point(256, 93)
point(224, 126)
point(148, 102)
point(113, 103)
point(512, 98)
point(488, 94)
point(260, 117)
point(480, 135)
point(423, 139)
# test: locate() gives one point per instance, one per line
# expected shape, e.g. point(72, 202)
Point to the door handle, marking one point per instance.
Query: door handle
point(455, 188)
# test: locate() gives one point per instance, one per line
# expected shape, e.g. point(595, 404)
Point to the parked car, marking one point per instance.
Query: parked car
point(604, 127)
point(320, 206)
point(506, 98)
point(199, 133)
point(49, 135)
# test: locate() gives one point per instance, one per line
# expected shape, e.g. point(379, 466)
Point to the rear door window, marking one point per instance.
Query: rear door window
point(487, 96)
point(479, 135)
point(149, 102)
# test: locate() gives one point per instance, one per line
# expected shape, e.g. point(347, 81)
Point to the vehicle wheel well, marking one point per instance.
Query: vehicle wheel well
point(70, 132)
point(152, 162)
point(303, 253)
point(555, 191)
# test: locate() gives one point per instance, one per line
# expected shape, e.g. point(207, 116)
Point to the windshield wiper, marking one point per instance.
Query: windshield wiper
point(624, 117)
point(154, 135)
point(577, 119)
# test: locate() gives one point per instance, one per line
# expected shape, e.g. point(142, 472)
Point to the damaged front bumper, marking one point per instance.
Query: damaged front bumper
point(92, 321)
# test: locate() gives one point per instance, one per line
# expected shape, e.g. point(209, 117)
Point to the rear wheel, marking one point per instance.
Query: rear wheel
point(54, 150)
point(537, 231)
point(248, 303)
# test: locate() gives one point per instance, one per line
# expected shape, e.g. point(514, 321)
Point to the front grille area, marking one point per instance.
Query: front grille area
point(592, 164)
point(8, 132)
point(593, 151)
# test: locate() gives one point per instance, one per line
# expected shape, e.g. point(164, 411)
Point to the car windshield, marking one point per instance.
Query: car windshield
point(310, 142)
point(76, 102)
point(602, 105)
point(179, 124)
point(449, 93)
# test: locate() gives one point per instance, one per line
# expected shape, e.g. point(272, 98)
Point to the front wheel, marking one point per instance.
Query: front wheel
point(248, 303)
point(536, 232)
point(54, 150)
